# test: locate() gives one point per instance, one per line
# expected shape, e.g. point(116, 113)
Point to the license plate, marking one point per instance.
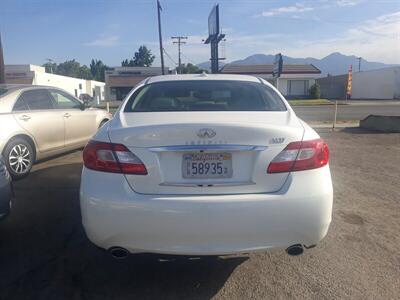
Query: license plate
point(207, 165)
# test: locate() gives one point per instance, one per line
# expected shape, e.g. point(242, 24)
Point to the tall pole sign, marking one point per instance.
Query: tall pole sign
point(214, 37)
point(277, 69)
point(2, 67)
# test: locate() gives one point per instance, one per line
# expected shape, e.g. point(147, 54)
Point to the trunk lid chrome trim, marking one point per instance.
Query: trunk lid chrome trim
point(206, 184)
point(211, 147)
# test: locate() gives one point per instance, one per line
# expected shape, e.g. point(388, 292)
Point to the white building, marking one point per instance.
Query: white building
point(36, 75)
point(377, 84)
point(373, 84)
point(295, 80)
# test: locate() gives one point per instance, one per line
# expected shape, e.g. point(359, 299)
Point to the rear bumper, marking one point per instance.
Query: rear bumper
point(114, 215)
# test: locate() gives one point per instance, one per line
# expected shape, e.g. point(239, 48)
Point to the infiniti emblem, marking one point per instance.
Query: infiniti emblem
point(206, 133)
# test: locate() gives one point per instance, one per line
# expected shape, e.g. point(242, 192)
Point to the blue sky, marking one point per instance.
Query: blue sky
point(111, 30)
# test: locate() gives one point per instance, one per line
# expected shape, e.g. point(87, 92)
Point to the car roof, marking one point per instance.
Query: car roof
point(203, 76)
point(12, 89)
point(25, 86)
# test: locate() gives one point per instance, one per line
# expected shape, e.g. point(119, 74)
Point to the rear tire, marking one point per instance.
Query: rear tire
point(19, 158)
point(102, 123)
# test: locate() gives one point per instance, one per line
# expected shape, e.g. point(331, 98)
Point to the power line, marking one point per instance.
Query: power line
point(188, 59)
point(170, 58)
point(179, 40)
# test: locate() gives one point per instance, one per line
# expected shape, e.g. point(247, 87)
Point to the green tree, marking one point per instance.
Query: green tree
point(142, 58)
point(84, 73)
point(190, 69)
point(98, 69)
point(125, 63)
point(69, 68)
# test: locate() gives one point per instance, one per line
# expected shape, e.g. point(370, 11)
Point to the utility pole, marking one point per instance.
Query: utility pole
point(179, 40)
point(159, 9)
point(359, 64)
point(2, 67)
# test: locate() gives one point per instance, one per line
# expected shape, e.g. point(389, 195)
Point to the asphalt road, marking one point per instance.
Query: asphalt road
point(345, 112)
point(44, 253)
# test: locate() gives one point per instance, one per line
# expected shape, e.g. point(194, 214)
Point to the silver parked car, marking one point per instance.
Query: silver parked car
point(40, 121)
point(6, 191)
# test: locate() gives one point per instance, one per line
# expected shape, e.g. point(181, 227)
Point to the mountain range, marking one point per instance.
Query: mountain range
point(333, 64)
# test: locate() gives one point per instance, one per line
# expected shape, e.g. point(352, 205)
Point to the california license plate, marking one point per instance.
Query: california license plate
point(207, 165)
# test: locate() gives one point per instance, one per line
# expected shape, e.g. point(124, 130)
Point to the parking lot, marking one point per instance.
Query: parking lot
point(44, 253)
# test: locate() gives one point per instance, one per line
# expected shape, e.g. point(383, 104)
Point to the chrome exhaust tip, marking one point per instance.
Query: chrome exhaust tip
point(295, 250)
point(118, 252)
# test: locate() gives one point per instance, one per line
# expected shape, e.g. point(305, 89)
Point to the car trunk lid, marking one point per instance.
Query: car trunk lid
point(171, 143)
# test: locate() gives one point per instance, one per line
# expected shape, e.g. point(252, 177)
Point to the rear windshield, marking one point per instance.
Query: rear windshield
point(7, 88)
point(3, 90)
point(204, 96)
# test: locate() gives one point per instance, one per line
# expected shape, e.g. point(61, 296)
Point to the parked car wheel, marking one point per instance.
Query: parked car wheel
point(102, 123)
point(19, 158)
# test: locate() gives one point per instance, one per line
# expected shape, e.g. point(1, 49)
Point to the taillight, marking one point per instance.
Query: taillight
point(299, 156)
point(114, 158)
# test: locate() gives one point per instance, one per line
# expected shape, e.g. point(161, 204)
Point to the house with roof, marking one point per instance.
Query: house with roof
point(295, 80)
point(121, 80)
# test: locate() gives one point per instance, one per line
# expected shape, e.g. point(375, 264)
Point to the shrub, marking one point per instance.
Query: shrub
point(315, 91)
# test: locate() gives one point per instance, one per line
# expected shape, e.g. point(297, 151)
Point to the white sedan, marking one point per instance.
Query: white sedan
point(205, 165)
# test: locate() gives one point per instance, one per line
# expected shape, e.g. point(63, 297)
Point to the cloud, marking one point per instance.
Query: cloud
point(297, 8)
point(377, 40)
point(348, 2)
point(104, 41)
point(301, 7)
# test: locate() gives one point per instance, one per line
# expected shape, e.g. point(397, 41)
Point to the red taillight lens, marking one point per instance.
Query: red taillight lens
point(299, 156)
point(114, 158)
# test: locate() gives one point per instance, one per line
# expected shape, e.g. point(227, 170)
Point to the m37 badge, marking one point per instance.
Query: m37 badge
point(277, 140)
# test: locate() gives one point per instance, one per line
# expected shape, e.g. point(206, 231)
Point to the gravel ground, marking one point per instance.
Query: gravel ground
point(44, 253)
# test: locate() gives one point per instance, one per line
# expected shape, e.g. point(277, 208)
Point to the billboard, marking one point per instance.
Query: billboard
point(213, 21)
point(278, 63)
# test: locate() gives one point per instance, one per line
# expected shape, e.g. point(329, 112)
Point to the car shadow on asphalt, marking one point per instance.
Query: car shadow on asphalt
point(44, 253)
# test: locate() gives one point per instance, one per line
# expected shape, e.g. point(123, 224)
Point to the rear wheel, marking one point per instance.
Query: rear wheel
point(102, 123)
point(19, 157)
